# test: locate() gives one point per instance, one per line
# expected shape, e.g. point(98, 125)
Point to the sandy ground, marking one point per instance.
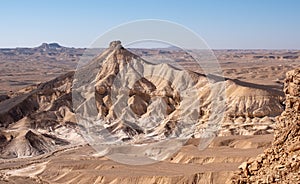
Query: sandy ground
point(79, 164)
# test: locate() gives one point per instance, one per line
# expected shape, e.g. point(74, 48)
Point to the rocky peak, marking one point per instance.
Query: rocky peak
point(120, 55)
point(115, 45)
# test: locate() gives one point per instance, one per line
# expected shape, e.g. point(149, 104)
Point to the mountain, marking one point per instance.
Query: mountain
point(49, 46)
point(134, 101)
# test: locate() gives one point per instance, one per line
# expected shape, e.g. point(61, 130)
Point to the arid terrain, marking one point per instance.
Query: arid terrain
point(43, 103)
point(21, 67)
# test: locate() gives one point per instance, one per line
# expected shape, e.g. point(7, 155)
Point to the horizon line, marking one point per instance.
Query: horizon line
point(67, 46)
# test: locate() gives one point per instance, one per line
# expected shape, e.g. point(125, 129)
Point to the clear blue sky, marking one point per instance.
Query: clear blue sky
point(270, 24)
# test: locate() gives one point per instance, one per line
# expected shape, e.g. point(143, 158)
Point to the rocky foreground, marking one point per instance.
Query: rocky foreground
point(281, 162)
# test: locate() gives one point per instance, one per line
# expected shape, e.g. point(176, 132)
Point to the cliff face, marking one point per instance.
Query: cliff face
point(281, 162)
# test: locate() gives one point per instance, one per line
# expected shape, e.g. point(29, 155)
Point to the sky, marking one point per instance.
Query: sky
point(223, 24)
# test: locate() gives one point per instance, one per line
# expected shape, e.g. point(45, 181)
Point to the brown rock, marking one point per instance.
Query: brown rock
point(294, 147)
point(137, 105)
point(244, 168)
point(101, 90)
point(254, 166)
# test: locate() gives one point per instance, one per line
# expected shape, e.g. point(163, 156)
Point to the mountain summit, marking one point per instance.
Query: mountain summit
point(115, 44)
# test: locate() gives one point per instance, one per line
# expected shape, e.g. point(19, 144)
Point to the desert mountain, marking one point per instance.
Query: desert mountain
point(135, 101)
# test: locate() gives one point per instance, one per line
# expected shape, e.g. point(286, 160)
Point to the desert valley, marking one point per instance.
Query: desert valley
point(44, 97)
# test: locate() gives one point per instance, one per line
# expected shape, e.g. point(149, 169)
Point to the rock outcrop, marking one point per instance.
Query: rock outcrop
point(281, 162)
point(38, 121)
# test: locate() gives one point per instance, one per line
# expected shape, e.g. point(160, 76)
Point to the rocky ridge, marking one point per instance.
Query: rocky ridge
point(281, 162)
